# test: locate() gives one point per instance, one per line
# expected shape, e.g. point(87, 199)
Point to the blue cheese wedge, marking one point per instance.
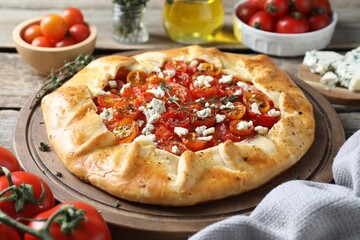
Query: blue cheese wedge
point(329, 80)
point(320, 62)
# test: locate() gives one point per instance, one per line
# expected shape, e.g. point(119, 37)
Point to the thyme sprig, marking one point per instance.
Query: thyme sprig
point(58, 77)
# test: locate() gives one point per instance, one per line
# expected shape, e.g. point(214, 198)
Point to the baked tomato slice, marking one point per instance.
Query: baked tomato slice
point(107, 100)
point(125, 129)
point(263, 119)
point(177, 65)
point(205, 92)
point(177, 93)
point(237, 112)
point(164, 134)
point(125, 109)
point(175, 118)
point(262, 101)
point(241, 127)
point(136, 77)
point(222, 133)
point(208, 69)
point(194, 142)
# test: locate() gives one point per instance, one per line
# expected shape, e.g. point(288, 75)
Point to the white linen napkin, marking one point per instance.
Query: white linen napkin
point(301, 209)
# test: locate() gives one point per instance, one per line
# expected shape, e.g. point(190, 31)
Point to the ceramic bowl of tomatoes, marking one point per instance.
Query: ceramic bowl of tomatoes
point(46, 43)
point(284, 27)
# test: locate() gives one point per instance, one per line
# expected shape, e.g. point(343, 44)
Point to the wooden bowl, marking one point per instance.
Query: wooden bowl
point(44, 59)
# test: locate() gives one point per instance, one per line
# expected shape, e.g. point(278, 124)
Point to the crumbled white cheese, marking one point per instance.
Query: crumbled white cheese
point(207, 138)
point(97, 92)
point(261, 130)
point(244, 125)
point(273, 113)
point(329, 79)
point(229, 105)
point(202, 81)
point(208, 131)
point(226, 79)
point(204, 113)
point(106, 114)
point(180, 131)
point(127, 85)
point(148, 129)
point(175, 149)
point(112, 83)
point(220, 118)
point(158, 92)
point(255, 108)
point(243, 85)
point(170, 72)
point(200, 130)
point(193, 63)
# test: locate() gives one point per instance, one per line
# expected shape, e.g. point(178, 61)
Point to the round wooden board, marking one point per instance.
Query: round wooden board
point(336, 95)
point(140, 221)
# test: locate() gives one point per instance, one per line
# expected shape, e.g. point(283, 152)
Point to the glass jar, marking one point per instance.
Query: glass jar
point(193, 21)
point(128, 24)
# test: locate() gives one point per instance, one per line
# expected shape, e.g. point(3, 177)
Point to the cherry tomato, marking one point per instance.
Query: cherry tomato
point(263, 21)
point(8, 160)
point(125, 109)
point(79, 32)
point(259, 3)
point(318, 21)
point(292, 23)
point(29, 209)
point(303, 6)
point(276, 8)
point(205, 92)
point(53, 27)
point(125, 129)
point(42, 41)
point(92, 227)
point(143, 99)
point(245, 11)
point(260, 99)
point(181, 78)
point(178, 94)
point(8, 233)
point(241, 127)
point(136, 77)
point(177, 65)
point(175, 118)
point(321, 7)
point(164, 134)
point(263, 120)
point(66, 41)
point(192, 142)
point(208, 69)
point(31, 33)
point(72, 16)
point(108, 100)
point(237, 112)
point(222, 133)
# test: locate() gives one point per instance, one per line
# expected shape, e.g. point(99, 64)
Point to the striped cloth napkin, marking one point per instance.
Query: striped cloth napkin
point(302, 209)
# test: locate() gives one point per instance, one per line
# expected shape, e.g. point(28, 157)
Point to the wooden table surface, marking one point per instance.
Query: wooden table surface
point(18, 82)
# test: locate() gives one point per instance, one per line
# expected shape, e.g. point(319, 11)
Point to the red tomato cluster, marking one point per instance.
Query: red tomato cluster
point(286, 16)
point(27, 203)
point(58, 30)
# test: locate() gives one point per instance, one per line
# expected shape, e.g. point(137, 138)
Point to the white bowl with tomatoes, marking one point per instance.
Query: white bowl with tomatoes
point(47, 43)
point(282, 27)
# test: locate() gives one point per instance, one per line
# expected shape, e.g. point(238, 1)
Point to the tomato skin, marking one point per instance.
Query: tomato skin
point(31, 33)
point(30, 210)
point(262, 21)
point(72, 16)
point(53, 27)
point(318, 21)
point(108, 100)
point(125, 129)
point(175, 118)
point(192, 143)
point(263, 120)
point(42, 41)
point(66, 41)
point(246, 10)
point(276, 8)
point(303, 6)
point(8, 233)
point(93, 226)
point(8, 160)
point(125, 109)
point(168, 146)
point(79, 32)
point(240, 132)
point(177, 65)
point(205, 92)
point(292, 23)
point(321, 7)
point(163, 134)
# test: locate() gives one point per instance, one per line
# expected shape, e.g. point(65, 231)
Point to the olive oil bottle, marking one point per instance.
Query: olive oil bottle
point(193, 21)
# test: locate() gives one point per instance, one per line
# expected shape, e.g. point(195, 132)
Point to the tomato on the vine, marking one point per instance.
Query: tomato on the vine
point(263, 21)
point(292, 23)
point(53, 27)
point(72, 16)
point(276, 8)
point(31, 207)
point(92, 226)
point(8, 160)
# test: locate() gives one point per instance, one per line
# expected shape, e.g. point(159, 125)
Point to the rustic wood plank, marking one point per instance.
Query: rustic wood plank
point(7, 125)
